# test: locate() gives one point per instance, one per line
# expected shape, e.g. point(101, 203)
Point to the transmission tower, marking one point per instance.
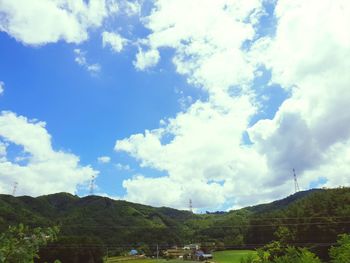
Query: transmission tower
point(190, 206)
point(14, 188)
point(296, 185)
point(92, 185)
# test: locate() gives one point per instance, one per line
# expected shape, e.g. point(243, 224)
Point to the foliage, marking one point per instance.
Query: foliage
point(309, 217)
point(284, 235)
point(276, 253)
point(341, 252)
point(316, 218)
point(20, 244)
point(297, 255)
point(73, 250)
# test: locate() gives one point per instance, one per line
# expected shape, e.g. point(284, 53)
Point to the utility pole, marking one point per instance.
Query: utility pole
point(190, 206)
point(14, 188)
point(296, 185)
point(157, 251)
point(92, 185)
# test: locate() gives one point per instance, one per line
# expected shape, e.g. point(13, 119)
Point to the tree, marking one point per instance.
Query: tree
point(284, 235)
point(341, 252)
point(274, 253)
point(20, 244)
point(297, 255)
point(73, 249)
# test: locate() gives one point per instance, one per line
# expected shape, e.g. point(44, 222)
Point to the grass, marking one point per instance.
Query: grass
point(227, 256)
point(145, 260)
point(231, 256)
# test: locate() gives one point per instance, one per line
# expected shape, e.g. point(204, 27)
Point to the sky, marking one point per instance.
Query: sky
point(163, 101)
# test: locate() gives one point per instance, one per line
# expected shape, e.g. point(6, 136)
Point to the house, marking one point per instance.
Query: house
point(175, 253)
point(192, 247)
point(133, 252)
point(200, 255)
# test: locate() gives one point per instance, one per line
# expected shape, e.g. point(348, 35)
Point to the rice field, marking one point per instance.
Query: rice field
point(227, 256)
point(231, 256)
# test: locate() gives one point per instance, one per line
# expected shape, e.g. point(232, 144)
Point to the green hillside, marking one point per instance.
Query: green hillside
point(115, 223)
point(314, 217)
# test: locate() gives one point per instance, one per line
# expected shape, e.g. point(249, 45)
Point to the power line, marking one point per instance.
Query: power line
point(97, 245)
point(224, 226)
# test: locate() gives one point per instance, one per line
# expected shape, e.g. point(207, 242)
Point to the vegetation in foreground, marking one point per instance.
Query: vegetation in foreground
point(21, 245)
point(147, 260)
point(92, 225)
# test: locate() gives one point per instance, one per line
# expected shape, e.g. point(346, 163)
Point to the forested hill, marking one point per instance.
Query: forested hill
point(110, 221)
point(283, 203)
point(314, 216)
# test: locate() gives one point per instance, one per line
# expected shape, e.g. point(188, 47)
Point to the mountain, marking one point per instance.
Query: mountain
point(116, 223)
point(314, 216)
point(283, 203)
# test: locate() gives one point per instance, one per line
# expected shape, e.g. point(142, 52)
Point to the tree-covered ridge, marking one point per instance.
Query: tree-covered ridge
point(314, 218)
point(118, 224)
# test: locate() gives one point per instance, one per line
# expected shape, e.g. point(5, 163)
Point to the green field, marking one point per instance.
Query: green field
point(231, 256)
point(228, 256)
point(145, 260)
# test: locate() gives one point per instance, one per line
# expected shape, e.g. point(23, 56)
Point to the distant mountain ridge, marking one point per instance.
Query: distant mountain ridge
point(282, 203)
point(54, 206)
point(121, 225)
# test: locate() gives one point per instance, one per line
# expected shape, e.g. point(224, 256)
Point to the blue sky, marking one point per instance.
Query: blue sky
point(86, 113)
point(166, 101)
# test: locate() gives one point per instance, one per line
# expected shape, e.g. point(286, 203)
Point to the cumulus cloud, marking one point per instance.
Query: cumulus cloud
point(312, 121)
point(45, 170)
point(104, 159)
point(2, 87)
point(115, 41)
point(3, 151)
point(124, 167)
point(132, 8)
point(146, 59)
point(207, 37)
point(55, 20)
point(80, 58)
point(206, 153)
point(207, 157)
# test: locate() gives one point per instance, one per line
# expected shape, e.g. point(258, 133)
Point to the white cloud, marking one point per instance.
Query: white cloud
point(114, 197)
point(115, 41)
point(310, 131)
point(146, 59)
point(132, 8)
point(2, 87)
point(37, 22)
point(206, 155)
point(104, 159)
point(3, 151)
point(306, 57)
point(207, 37)
point(206, 152)
point(173, 194)
point(47, 170)
point(80, 58)
point(124, 167)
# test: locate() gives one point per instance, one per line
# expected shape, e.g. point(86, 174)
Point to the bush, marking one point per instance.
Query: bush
point(20, 244)
point(274, 252)
point(73, 250)
point(341, 252)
